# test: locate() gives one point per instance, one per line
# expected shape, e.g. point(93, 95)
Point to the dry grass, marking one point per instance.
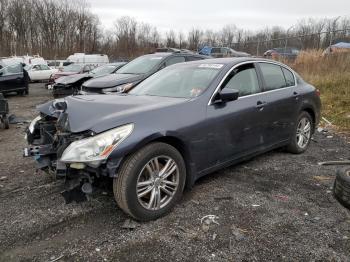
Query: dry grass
point(331, 75)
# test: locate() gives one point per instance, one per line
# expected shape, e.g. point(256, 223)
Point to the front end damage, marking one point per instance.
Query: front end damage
point(48, 136)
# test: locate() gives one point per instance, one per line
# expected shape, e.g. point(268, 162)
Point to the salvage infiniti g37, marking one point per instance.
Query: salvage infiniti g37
point(183, 122)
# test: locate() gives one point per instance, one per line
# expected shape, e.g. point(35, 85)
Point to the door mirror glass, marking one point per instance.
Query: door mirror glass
point(227, 95)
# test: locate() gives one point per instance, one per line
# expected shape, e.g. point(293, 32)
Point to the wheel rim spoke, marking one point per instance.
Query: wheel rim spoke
point(144, 188)
point(303, 132)
point(157, 182)
point(168, 169)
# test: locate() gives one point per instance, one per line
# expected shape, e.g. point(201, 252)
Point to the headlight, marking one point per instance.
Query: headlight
point(33, 123)
point(97, 148)
point(118, 89)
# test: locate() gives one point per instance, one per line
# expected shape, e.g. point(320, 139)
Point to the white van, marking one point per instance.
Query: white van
point(93, 59)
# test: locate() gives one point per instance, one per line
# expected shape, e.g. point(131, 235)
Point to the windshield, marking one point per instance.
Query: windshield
point(181, 82)
point(11, 69)
point(103, 70)
point(72, 68)
point(141, 65)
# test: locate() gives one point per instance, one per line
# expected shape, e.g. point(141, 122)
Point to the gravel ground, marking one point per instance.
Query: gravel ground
point(277, 206)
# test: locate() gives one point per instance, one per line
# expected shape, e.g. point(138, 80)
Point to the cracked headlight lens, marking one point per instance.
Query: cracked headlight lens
point(97, 148)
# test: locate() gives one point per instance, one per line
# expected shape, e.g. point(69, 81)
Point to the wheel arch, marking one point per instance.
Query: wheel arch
point(311, 112)
point(174, 141)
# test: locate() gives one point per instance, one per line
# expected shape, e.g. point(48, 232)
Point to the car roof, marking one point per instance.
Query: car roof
point(230, 61)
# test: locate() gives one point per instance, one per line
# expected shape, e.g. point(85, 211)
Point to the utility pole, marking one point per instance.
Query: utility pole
point(285, 46)
point(331, 32)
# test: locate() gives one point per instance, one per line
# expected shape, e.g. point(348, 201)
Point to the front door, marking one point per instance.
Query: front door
point(237, 127)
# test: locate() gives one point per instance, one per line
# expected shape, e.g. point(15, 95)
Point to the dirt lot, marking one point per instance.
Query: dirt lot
point(275, 207)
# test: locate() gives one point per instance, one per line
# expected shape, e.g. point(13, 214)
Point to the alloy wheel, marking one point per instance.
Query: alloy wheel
point(157, 183)
point(303, 134)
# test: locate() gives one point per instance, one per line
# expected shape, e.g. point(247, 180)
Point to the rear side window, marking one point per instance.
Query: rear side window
point(174, 60)
point(288, 75)
point(245, 80)
point(273, 76)
point(193, 58)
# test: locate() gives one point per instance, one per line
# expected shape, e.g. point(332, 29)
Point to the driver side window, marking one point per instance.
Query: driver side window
point(244, 79)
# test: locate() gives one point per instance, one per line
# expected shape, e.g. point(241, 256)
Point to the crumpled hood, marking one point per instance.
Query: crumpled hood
point(100, 113)
point(71, 79)
point(112, 80)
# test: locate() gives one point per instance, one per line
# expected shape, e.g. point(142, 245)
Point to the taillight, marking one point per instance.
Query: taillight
point(318, 93)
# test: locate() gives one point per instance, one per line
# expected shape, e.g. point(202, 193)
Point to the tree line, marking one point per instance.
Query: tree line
point(57, 28)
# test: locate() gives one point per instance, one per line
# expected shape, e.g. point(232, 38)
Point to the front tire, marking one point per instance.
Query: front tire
point(341, 188)
point(302, 133)
point(150, 182)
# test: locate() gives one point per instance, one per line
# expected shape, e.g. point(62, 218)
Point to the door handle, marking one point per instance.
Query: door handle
point(296, 95)
point(260, 104)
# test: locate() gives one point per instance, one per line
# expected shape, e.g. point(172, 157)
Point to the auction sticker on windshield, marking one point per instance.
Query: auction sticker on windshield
point(216, 66)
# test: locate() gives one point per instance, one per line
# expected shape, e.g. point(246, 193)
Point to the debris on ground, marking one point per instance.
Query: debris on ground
point(210, 219)
point(327, 121)
point(13, 119)
point(130, 224)
point(323, 178)
point(3, 178)
point(330, 163)
point(237, 232)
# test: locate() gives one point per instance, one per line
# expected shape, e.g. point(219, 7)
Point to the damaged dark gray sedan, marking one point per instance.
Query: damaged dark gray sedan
point(183, 122)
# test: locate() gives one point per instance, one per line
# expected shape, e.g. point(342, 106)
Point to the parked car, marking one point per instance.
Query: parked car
point(286, 53)
point(27, 60)
point(136, 71)
point(91, 59)
point(14, 78)
point(69, 85)
point(219, 52)
point(40, 72)
point(58, 64)
point(184, 122)
point(72, 69)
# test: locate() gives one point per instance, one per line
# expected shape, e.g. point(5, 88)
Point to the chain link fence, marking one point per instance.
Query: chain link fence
point(321, 40)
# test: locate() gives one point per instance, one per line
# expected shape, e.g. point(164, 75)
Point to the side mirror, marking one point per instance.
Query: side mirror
point(227, 95)
point(1, 73)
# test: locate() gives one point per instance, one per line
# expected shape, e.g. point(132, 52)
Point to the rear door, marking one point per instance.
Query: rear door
point(11, 78)
point(281, 99)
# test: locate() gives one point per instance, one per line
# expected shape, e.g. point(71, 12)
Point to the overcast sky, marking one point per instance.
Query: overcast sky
point(182, 15)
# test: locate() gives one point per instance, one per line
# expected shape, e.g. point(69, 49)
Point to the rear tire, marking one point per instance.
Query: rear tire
point(302, 133)
point(6, 122)
point(341, 188)
point(150, 182)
